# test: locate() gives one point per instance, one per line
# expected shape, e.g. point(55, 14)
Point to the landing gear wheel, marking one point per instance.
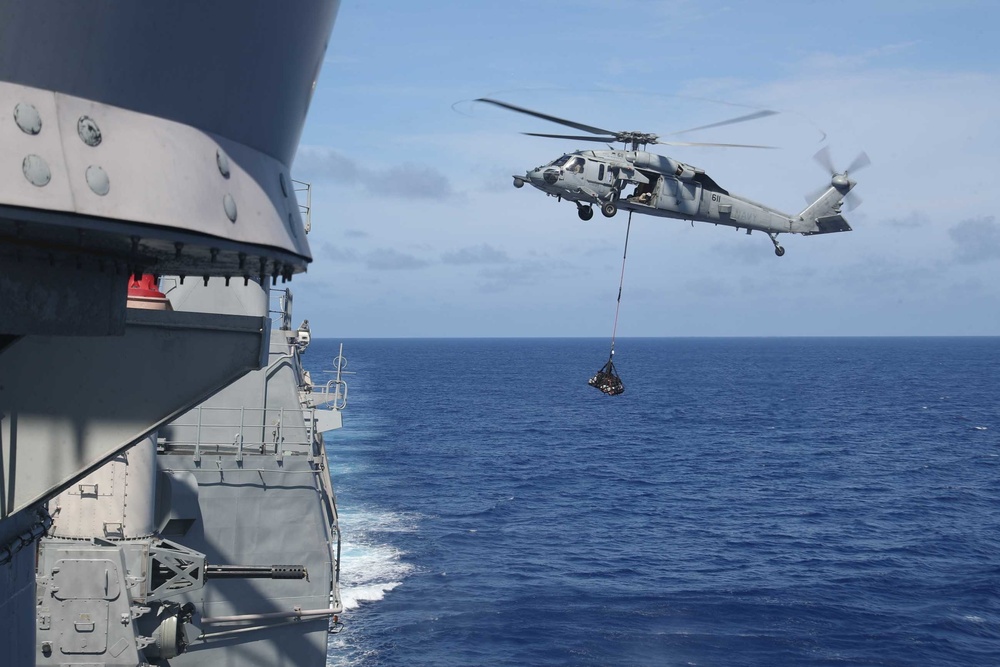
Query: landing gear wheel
point(609, 210)
point(585, 212)
point(778, 250)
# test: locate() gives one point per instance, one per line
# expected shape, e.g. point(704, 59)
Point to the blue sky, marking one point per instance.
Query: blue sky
point(417, 230)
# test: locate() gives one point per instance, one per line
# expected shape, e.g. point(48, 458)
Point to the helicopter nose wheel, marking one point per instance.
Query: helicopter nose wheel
point(778, 250)
point(585, 212)
point(609, 210)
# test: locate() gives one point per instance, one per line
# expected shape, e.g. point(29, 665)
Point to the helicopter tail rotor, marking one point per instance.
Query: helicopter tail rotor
point(857, 164)
point(822, 215)
point(824, 160)
point(840, 180)
point(853, 200)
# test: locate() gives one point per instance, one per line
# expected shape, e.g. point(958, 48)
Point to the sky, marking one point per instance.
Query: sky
point(417, 230)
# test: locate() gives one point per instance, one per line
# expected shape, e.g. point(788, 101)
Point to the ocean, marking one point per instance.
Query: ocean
point(746, 501)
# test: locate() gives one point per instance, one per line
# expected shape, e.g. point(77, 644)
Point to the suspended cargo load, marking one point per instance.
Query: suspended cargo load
point(607, 380)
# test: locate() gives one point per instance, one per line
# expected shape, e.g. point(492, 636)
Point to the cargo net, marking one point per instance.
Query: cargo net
point(607, 380)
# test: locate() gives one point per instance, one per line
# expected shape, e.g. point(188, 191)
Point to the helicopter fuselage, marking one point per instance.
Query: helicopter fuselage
point(660, 186)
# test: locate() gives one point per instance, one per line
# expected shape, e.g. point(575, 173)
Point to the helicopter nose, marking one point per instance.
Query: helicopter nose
point(551, 176)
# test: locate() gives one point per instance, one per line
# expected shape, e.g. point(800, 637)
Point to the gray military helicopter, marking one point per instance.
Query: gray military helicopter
point(667, 188)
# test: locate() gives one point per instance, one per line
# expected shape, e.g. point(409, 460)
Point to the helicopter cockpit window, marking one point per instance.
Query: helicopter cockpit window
point(575, 165)
point(561, 161)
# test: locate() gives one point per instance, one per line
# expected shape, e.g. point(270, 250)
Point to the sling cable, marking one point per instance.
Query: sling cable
point(607, 379)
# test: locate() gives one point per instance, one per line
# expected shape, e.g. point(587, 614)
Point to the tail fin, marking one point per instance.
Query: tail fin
point(823, 215)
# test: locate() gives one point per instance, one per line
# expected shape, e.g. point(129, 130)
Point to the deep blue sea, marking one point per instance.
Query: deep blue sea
point(799, 501)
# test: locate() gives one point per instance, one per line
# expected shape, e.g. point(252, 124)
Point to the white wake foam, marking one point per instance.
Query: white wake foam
point(354, 596)
point(370, 567)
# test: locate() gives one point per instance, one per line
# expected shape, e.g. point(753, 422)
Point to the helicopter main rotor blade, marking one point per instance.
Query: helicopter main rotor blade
point(697, 143)
point(732, 121)
point(538, 114)
point(603, 140)
point(664, 143)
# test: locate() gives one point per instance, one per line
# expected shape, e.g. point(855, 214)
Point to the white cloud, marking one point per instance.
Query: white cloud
point(408, 180)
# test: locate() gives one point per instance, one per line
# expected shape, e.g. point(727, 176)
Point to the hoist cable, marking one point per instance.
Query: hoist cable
point(621, 282)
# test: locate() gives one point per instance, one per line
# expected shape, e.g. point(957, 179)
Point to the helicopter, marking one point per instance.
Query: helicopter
point(667, 188)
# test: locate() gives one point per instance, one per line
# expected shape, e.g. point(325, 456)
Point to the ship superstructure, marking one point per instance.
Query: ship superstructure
point(213, 541)
point(146, 139)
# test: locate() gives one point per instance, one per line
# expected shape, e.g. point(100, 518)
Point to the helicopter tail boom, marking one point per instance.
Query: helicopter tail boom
point(823, 216)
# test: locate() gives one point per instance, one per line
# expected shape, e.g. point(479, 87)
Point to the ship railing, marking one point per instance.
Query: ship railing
point(280, 307)
point(332, 395)
point(303, 190)
point(243, 431)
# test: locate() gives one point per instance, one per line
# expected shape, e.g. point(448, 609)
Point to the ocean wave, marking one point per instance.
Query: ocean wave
point(353, 596)
point(369, 566)
point(675, 525)
point(365, 521)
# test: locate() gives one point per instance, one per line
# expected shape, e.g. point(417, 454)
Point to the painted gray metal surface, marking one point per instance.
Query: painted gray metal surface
point(117, 173)
point(260, 498)
point(242, 70)
point(56, 296)
point(195, 296)
point(83, 605)
point(152, 136)
point(242, 481)
point(138, 137)
point(112, 602)
point(18, 535)
point(116, 501)
point(260, 512)
point(123, 389)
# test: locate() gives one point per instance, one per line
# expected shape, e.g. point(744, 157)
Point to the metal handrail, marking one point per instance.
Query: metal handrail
point(273, 433)
point(304, 209)
point(283, 308)
point(339, 392)
point(338, 384)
